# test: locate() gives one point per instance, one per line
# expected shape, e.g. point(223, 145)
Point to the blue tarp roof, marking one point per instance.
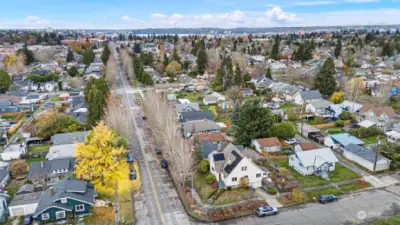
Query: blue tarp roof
point(346, 139)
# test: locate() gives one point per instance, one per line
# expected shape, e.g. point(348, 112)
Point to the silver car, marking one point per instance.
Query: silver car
point(266, 211)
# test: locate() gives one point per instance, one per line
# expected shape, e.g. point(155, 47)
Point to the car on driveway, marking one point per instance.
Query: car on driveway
point(129, 157)
point(266, 211)
point(327, 198)
point(132, 174)
point(291, 141)
point(28, 220)
point(164, 164)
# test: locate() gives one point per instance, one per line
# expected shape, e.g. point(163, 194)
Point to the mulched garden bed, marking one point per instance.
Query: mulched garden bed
point(238, 210)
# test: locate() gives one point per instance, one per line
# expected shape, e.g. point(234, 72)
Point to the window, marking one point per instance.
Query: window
point(234, 179)
point(264, 174)
point(60, 215)
point(212, 168)
point(45, 216)
point(244, 168)
point(80, 208)
point(245, 176)
point(63, 200)
point(258, 175)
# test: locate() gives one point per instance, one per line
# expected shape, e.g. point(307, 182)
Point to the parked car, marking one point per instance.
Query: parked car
point(291, 141)
point(129, 157)
point(132, 174)
point(327, 198)
point(158, 150)
point(28, 220)
point(164, 164)
point(266, 211)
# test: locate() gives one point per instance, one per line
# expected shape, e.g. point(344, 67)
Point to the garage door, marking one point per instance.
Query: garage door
point(18, 211)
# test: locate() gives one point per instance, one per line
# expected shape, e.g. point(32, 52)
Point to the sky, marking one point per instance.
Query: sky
point(135, 14)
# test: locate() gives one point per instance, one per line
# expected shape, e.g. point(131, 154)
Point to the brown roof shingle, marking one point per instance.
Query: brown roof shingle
point(268, 142)
point(308, 146)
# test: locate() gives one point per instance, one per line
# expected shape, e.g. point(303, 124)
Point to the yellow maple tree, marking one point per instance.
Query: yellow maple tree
point(9, 60)
point(101, 157)
point(337, 97)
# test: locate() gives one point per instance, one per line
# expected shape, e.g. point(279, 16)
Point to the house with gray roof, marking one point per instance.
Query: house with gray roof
point(68, 198)
point(366, 157)
point(69, 138)
point(7, 106)
point(188, 116)
point(187, 107)
point(199, 126)
point(4, 178)
point(24, 204)
point(50, 171)
point(321, 108)
point(230, 166)
point(289, 92)
point(306, 97)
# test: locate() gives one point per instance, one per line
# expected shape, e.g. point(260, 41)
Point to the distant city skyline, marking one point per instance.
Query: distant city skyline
point(133, 14)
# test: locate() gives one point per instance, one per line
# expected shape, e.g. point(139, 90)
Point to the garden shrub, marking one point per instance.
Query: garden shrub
point(271, 191)
point(204, 166)
point(339, 123)
point(346, 116)
point(210, 178)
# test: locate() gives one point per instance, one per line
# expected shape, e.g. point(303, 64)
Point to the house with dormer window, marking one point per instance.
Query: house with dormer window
point(67, 199)
point(50, 171)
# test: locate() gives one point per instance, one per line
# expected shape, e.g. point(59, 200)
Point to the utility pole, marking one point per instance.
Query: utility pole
point(376, 152)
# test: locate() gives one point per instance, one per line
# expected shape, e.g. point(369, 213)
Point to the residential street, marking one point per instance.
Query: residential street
point(158, 203)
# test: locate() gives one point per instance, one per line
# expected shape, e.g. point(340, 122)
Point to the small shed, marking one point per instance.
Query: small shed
point(24, 204)
point(307, 130)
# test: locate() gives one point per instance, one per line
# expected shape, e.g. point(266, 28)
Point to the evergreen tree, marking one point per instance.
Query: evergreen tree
point(338, 48)
point(274, 54)
point(99, 84)
point(201, 57)
point(88, 57)
point(5, 81)
point(73, 71)
point(70, 56)
point(175, 55)
point(96, 105)
point(251, 121)
point(106, 54)
point(30, 58)
point(269, 74)
point(136, 48)
point(238, 76)
point(166, 60)
point(325, 80)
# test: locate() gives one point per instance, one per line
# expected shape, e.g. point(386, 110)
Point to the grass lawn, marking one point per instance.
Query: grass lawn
point(316, 193)
point(205, 107)
point(234, 195)
point(341, 173)
point(371, 140)
point(8, 117)
point(39, 148)
point(358, 185)
point(192, 96)
point(202, 188)
point(333, 130)
point(308, 181)
point(389, 221)
point(55, 99)
point(282, 163)
point(222, 120)
point(35, 159)
point(139, 96)
point(287, 106)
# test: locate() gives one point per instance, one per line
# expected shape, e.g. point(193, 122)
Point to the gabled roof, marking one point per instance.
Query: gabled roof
point(24, 199)
point(69, 138)
point(346, 139)
point(309, 95)
point(199, 126)
point(269, 142)
point(362, 152)
point(76, 189)
point(321, 104)
point(179, 108)
point(46, 168)
point(4, 103)
point(196, 115)
point(316, 157)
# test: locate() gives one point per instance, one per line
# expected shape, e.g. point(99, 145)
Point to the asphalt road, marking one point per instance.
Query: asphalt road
point(158, 203)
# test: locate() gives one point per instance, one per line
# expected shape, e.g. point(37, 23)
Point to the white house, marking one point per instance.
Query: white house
point(13, 151)
point(210, 100)
point(230, 166)
point(318, 161)
point(271, 144)
point(320, 108)
point(365, 157)
point(306, 97)
point(24, 204)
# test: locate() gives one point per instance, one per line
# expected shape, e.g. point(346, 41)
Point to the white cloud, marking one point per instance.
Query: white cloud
point(315, 3)
point(158, 16)
point(237, 17)
point(127, 18)
point(34, 20)
point(361, 1)
point(204, 17)
point(176, 16)
point(276, 14)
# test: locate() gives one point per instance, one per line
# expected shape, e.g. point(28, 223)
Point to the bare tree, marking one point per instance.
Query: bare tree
point(76, 82)
point(354, 90)
point(167, 131)
point(115, 116)
point(44, 56)
point(214, 60)
point(19, 66)
point(382, 94)
point(241, 60)
point(235, 94)
point(111, 71)
point(260, 69)
point(127, 62)
point(18, 168)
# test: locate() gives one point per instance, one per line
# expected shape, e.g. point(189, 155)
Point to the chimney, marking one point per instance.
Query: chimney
point(41, 164)
point(51, 191)
point(219, 149)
